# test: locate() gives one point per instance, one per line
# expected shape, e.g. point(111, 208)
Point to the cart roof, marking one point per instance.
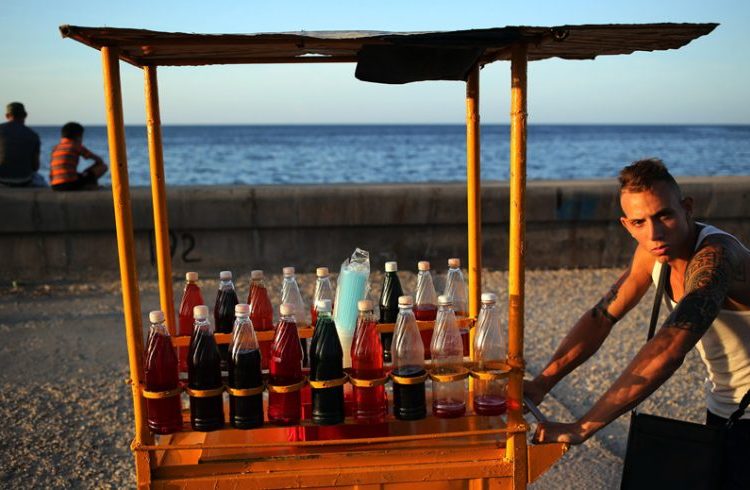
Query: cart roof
point(387, 57)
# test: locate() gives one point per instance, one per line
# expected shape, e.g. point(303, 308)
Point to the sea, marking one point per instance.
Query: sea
point(327, 154)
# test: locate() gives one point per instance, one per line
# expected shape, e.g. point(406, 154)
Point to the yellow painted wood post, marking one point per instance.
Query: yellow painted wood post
point(473, 192)
point(126, 251)
point(159, 197)
point(516, 447)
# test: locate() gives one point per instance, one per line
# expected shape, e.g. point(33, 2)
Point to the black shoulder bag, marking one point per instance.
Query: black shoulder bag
point(666, 453)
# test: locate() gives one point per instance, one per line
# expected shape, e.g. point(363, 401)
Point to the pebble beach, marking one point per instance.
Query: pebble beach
point(67, 410)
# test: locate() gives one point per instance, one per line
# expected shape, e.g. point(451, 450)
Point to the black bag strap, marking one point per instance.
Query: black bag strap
point(660, 286)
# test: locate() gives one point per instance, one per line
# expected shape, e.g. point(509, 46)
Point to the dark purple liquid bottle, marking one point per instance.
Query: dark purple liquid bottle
point(204, 373)
point(389, 305)
point(326, 363)
point(409, 400)
point(226, 300)
point(245, 412)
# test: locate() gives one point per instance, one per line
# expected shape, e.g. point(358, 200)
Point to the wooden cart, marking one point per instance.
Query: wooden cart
point(470, 452)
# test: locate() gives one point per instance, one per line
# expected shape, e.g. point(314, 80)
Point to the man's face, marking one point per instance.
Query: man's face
point(658, 220)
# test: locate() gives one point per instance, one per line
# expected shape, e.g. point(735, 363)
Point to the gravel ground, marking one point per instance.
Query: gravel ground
point(68, 411)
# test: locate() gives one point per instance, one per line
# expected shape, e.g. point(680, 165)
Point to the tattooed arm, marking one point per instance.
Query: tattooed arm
point(590, 331)
point(706, 284)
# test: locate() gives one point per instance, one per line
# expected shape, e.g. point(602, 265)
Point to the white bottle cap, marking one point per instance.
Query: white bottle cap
point(405, 300)
point(423, 265)
point(286, 309)
point(489, 298)
point(256, 274)
point(241, 309)
point(454, 262)
point(191, 276)
point(391, 266)
point(288, 271)
point(225, 275)
point(156, 316)
point(445, 300)
point(200, 312)
point(323, 305)
point(364, 305)
point(321, 271)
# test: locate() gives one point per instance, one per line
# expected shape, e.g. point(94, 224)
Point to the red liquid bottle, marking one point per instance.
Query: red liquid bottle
point(261, 312)
point(326, 363)
point(389, 305)
point(204, 373)
point(323, 290)
point(455, 288)
point(370, 403)
point(285, 368)
point(290, 294)
point(489, 346)
point(191, 297)
point(448, 397)
point(245, 412)
point(160, 367)
point(226, 300)
point(408, 362)
point(425, 307)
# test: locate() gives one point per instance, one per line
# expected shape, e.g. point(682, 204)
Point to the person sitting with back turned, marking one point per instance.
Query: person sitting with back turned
point(63, 173)
point(19, 150)
point(708, 293)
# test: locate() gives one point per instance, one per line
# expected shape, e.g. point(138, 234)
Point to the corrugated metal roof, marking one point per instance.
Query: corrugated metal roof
point(442, 54)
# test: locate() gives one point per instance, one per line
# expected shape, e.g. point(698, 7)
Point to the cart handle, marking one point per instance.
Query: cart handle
point(534, 410)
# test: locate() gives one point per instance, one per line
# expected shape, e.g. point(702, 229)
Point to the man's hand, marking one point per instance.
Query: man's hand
point(557, 432)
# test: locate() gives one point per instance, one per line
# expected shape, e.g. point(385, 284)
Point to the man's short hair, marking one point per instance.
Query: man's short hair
point(641, 176)
point(15, 109)
point(72, 130)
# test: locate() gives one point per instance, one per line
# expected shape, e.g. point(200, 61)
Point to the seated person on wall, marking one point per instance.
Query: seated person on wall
point(63, 173)
point(19, 150)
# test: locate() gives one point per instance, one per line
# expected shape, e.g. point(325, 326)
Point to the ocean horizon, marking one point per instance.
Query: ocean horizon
point(267, 154)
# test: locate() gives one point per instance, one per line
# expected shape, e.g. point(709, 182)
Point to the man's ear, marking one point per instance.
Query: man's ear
point(624, 223)
point(687, 205)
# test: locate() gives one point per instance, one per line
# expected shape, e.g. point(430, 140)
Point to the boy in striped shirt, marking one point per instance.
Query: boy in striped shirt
point(63, 174)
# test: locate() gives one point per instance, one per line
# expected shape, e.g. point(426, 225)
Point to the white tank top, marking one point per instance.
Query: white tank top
point(724, 348)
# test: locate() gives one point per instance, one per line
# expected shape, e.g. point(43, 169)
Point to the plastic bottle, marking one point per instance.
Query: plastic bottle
point(455, 288)
point(323, 290)
point(326, 363)
point(448, 397)
point(245, 412)
point(370, 404)
point(425, 307)
point(191, 297)
point(290, 294)
point(226, 299)
point(389, 305)
point(408, 362)
point(204, 373)
point(160, 368)
point(261, 312)
point(489, 346)
point(285, 368)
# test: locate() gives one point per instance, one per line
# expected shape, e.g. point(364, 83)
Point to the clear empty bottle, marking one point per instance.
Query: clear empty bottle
point(408, 362)
point(323, 290)
point(455, 288)
point(285, 369)
point(370, 404)
point(389, 304)
point(291, 295)
point(261, 312)
point(326, 364)
point(425, 307)
point(245, 412)
point(489, 346)
point(204, 373)
point(191, 297)
point(160, 369)
point(226, 300)
point(448, 397)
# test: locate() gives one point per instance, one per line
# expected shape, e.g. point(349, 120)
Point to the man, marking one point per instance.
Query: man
point(19, 150)
point(709, 295)
point(63, 171)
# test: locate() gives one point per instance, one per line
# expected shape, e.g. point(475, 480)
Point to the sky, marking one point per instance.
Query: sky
point(705, 82)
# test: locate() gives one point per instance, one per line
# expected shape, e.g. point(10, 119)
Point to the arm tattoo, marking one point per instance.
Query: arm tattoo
point(600, 309)
point(706, 285)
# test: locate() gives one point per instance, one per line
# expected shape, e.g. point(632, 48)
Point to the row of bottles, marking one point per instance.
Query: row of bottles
point(245, 383)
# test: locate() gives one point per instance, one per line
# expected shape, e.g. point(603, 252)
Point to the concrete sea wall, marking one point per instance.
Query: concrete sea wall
point(47, 235)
